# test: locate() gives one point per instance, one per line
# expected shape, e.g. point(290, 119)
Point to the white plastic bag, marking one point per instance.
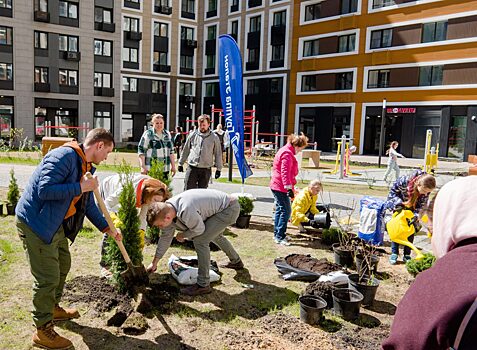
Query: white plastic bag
point(186, 274)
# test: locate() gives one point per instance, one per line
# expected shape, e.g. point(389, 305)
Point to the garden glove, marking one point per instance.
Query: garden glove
point(290, 193)
point(180, 169)
point(217, 174)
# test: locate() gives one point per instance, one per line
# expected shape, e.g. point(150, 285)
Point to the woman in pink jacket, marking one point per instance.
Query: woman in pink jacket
point(285, 170)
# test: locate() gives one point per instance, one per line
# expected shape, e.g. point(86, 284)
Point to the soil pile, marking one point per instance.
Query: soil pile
point(322, 289)
point(307, 263)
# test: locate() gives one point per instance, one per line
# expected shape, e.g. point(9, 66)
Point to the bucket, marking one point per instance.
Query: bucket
point(243, 221)
point(311, 309)
point(360, 265)
point(346, 303)
point(322, 220)
point(367, 287)
point(343, 257)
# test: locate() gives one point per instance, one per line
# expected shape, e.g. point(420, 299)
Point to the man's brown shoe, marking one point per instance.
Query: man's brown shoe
point(45, 337)
point(234, 266)
point(196, 290)
point(61, 314)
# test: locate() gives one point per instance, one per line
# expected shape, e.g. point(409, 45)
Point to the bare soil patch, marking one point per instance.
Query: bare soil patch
point(308, 263)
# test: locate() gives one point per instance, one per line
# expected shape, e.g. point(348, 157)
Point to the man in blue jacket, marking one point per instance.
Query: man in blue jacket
point(51, 211)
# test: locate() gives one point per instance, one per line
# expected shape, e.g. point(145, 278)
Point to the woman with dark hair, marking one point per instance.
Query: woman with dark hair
point(284, 172)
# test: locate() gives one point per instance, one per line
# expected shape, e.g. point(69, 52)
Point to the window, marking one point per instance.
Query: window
point(349, 6)
point(252, 87)
point(6, 72)
point(278, 52)
point(161, 29)
point(129, 84)
point(130, 54)
point(187, 33)
point(102, 47)
point(102, 80)
point(347, 43)
point(131, 24)
point(102, 119)
point(211, 32)
point(310, 48)
point(255, 24)
point(185, 89)
point(436, 31)
point(68, 43)
point(159, 87)
point(344, 81)
point(160, 3)
point(68, 9)
point(188, 6)
point(187, 61)
point(378, 79)
point(40, 118)
point(212, 5)
point(160, 58)
point(210, 62)
point(40, 5)
point(308, 83)
point(381, 38)
point(210, 89)
point(6, 118)
point(430, 75)
point(7, 4)
point(41, 75)
point(383, 3)
point(126, 127)
point(276, 85)
point(102, 15)
point(312, 12)
point(6, 36)
point(41, 40)
point(253, 55)
point(279, 18)
point(68, 77)
point(234, 29)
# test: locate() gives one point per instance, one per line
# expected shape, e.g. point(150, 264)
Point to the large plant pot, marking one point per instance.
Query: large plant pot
point(346, 303)
point(1, 209)
point(367, 287)
point(343, 257)
point(311, 309)
point(362, 267)
point(243, 221)
point(11, 209)
point(322, 220)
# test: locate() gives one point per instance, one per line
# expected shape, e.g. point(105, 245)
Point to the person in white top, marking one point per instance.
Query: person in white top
point(392, 161)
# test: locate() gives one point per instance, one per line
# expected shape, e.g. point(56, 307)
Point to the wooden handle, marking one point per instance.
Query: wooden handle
point(105, 212)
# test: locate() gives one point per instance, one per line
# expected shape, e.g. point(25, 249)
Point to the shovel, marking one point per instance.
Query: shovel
point(133, 275)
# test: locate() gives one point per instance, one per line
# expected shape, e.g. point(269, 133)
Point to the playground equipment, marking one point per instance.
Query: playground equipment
point(400, 227)
point(343, 155)
point(431, 154)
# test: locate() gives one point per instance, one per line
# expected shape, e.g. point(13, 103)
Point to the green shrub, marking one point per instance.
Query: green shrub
point(331, 235)
point(246, 205)
point(13, 192)
point(415, 266)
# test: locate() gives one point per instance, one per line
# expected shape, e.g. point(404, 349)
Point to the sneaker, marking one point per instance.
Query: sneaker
point(62, 314)
point(277, 241)
point(393, 259)
point(406, 258)
point(284, 242)
point(235, 266)
point(196, 290)
point(45, 337)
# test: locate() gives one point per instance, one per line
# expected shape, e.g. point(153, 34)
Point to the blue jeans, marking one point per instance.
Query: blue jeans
point(282, 214)
point(407, 250)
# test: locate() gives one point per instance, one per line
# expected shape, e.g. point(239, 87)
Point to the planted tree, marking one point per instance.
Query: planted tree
point(13, 193)
point(414, 267)
point(128, 222)
point(246, 208)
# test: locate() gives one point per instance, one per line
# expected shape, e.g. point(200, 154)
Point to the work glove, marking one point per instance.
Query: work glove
point(180, 169)
point(290, 193)
point(217, 174)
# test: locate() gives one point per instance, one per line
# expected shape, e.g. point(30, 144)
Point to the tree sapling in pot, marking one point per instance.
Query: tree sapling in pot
point(13, 194)
point(246, 208)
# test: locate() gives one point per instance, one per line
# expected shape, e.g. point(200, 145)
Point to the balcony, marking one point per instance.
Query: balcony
point(42, 87)
point(72, 56)
point(211, 14)
point(234, 8)
point(191, 43)
point(103, 91)
point(254, 3)
point(163, 68)
point(209, 71)
point(6, 12)
point(42, 16)
point(165, 10)
point(189, 15)
point(135, 36)
point(278, 34)
point(254, 65)
point(186, 71)
point(105, 27)
point(277, 63)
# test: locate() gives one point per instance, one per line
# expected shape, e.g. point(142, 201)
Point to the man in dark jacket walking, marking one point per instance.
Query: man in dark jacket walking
point(202, 151)
point(50, 211)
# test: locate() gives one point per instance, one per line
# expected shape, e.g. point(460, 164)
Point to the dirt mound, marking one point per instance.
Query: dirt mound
point(322, 289)
point(307, 263)
point(360, 338)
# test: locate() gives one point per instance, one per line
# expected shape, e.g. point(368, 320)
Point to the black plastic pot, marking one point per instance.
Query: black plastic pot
point(1, 209)
point(367, 287)
point(346, 303)
point(243, 221)
point(343, 257)
point(322, 220)
point(360, 264)
point(11, 209)
point(311, 309)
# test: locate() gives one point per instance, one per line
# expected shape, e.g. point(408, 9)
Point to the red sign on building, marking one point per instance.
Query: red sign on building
point(401, 110)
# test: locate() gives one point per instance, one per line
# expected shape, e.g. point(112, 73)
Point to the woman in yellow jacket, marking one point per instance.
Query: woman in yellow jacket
point(304, 205)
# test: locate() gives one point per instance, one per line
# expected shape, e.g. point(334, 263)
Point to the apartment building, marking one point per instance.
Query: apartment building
point(421, 56)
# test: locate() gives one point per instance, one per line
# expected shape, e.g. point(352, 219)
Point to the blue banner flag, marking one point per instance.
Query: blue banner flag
point(231, 95)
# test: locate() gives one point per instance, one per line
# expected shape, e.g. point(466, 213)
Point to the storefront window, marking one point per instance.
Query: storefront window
point(457, 131)
point(40, 119)
point(426, 119)
point(126, 128)
point(6, 118)
point(102, 120)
